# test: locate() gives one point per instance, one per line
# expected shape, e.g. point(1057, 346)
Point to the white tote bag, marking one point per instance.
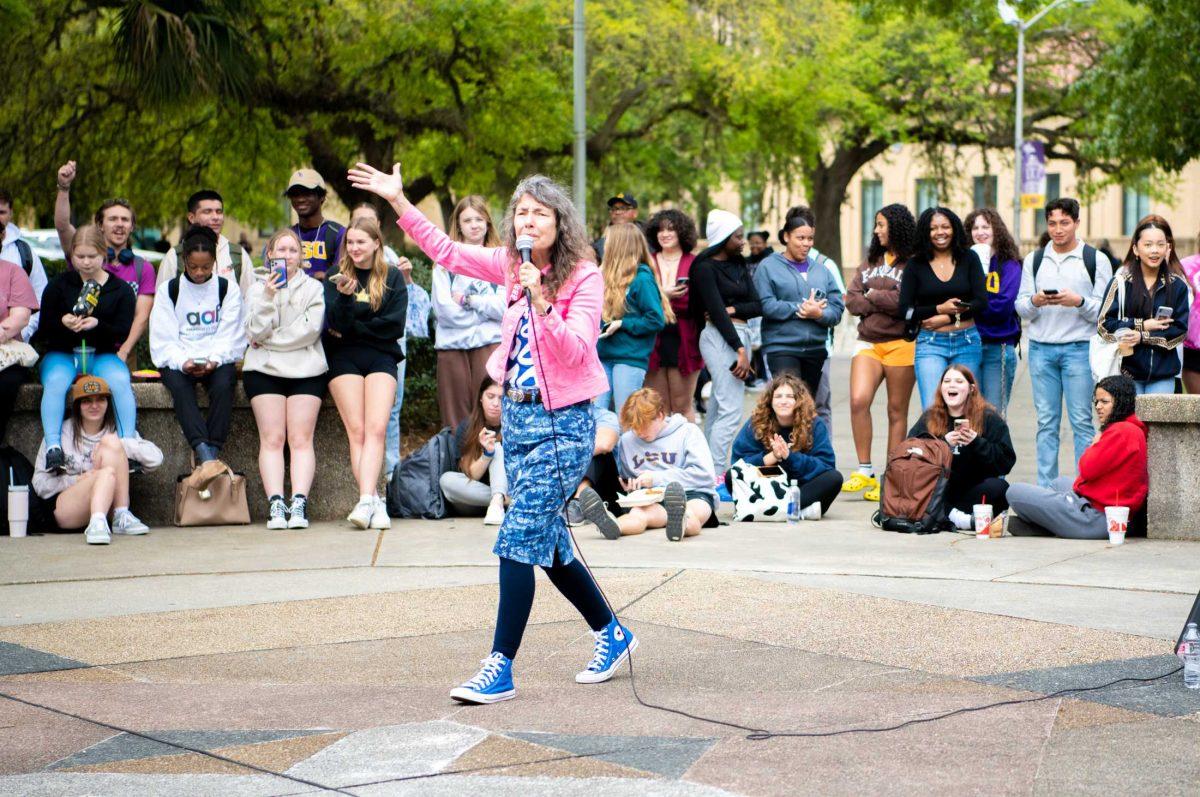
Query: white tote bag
point(1105, 356)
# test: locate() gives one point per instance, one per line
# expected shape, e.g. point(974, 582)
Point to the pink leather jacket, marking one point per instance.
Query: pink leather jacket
point(564, 346)
point(1191, 268)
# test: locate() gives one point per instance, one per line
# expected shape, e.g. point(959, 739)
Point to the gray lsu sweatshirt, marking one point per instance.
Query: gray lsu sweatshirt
point(679, 454)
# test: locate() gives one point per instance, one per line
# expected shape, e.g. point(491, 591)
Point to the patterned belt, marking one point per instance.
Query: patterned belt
point(522, 396)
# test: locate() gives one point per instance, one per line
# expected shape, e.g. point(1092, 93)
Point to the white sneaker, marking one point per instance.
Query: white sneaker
point(811, 512)
point(380, 519)
point(97, 532)
point(127, 523)
point(360, 516)
point(495, 511)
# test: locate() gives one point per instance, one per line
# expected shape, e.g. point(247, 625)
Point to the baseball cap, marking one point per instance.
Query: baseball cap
point(88, 385)
point(625, 197)
point(305, 178)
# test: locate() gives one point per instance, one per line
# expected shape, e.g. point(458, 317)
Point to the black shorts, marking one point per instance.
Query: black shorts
point(699, 495)
point(359, 361)
point(257, 383)
point(1191, 359)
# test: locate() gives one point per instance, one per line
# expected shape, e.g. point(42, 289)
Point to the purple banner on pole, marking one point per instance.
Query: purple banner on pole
point(1033, 174)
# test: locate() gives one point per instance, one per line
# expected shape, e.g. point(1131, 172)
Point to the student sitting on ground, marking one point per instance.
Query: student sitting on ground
point(983, 450)
point(480, 480)
point(664, 452)
point(94, 479)
point(197, 337)
point(1112, 472)
point(784, 430)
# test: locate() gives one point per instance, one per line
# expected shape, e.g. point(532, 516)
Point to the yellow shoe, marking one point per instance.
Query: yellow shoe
point(872, 494)
point(858, 482)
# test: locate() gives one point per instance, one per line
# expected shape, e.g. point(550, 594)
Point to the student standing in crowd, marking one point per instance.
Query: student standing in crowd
point(667, 452)
point(675, 363)
point(365, 302)
point(321, 237)
point(416, 325)
point(206, 208)
point(784, 430)
point(18, 303)
point(197, 337)
point(759, 242)
point(722, 289)
point(882, 353)
point(82, 334)
point(622, 209)
point(1062, 285)
point(978, 435)
point(998, 323)
point(468, 313)
point(942, 291)
point(115, 220)
point(94, 477)
point(1112, 472)
point(635, 310)
point(16, 249)
point(1191, 344)
point(480, 483)
point(1153, 313)
point(549, 364)
point(801, 302)
point(284, 374)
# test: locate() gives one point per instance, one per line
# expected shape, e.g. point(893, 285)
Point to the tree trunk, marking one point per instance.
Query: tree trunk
point(830, 181)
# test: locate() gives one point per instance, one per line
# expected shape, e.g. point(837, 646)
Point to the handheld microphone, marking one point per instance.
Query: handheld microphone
point(525, 250)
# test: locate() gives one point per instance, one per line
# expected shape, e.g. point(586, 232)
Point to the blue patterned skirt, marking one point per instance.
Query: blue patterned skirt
point(539, 482)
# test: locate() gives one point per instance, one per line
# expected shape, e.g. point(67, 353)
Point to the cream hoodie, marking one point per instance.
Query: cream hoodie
point(285, 330)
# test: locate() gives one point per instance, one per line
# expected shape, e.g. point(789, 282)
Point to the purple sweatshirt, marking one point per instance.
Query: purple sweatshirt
point(999, 322)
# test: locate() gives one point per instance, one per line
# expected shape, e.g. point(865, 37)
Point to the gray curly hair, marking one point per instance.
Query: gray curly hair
point(571, 245)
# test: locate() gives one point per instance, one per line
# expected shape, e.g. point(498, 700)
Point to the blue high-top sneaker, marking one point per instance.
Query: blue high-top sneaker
point(491, 684)
point(613, 646)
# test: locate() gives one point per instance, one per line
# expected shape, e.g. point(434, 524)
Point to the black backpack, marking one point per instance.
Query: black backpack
point(26, 256)
point(222, 289)
point(1089, 262)
point(415, 490)
point(12, 460)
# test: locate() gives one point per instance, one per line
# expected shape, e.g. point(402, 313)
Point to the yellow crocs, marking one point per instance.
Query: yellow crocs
point(858, 482)
point(872, 494)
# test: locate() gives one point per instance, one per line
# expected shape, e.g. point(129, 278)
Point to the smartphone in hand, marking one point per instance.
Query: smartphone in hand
point(1163, 313)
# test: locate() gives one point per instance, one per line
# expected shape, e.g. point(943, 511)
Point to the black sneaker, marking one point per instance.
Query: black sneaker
point(278, 514)
point(675, 502)
point(56, 460)
point(298, 517)
point(597, 513)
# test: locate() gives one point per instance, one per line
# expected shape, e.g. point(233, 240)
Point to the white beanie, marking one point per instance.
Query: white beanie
point(720, 225)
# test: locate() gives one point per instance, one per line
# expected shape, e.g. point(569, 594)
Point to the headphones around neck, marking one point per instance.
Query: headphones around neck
point(124, 257)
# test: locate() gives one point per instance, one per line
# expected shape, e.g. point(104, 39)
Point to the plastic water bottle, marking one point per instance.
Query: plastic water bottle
point(1189, 649)
point(793, 505)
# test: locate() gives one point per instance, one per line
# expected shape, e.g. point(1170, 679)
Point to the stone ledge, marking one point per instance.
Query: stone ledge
point(1173, 447)
point(333, 493)
point(1169, 409)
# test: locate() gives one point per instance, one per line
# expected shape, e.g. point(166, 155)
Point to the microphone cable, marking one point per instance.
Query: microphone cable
point(752, 733)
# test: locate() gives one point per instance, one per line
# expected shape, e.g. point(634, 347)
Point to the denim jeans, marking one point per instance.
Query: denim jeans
point(58, 372)
point(391, 451)
point(1158, 386)
point(623, 380)
point(938, 350)
point(1058, 371)
point(996, 374)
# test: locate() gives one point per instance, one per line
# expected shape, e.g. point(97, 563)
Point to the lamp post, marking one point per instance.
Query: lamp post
point(1010, 17)
point(580, 112)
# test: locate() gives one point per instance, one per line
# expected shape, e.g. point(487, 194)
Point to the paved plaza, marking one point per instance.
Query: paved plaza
point(239, 661)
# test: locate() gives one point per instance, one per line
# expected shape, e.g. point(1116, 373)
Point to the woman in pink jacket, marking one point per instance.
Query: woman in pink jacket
point(548, 366)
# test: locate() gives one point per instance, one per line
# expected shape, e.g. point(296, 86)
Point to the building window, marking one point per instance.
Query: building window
point(872, 201)
point(1135, 205)
point(927, 194)
point(1053, 191)
point(985, 191)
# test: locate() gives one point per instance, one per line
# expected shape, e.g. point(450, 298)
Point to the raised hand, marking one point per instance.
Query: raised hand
point(388, 186)
point(66, 175)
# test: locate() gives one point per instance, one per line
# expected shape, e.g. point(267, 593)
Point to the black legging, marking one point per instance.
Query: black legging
point(995, 490)
point(516, 599)
point(807, 366)
point(11, 379)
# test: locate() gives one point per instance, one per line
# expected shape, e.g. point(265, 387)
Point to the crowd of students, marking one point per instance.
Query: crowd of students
point(940, 305)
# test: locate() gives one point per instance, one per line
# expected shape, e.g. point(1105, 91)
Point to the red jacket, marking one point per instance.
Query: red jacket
point(1112, 472)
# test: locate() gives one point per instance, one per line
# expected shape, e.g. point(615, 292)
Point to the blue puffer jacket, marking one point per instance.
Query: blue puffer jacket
point(782, 289)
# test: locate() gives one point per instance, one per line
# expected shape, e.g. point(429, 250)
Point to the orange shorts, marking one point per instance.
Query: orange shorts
point(892, 353)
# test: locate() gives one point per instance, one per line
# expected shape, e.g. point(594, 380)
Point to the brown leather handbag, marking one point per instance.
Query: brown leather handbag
point(211, 495)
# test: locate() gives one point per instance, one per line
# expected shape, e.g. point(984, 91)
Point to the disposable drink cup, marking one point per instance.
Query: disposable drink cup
point(18, 510)
point(1118, 523)
point(83, 359)
point(983, 520)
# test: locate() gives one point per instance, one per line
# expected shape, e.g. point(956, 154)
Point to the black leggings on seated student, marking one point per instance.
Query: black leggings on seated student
point(989, 491)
